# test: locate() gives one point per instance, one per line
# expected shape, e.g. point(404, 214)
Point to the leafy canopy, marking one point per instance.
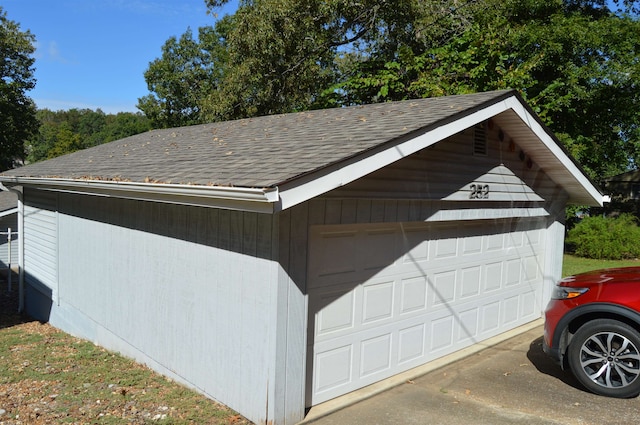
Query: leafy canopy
point(188, 71)
point(63, 132)
point(575, 61)
point(17, 111)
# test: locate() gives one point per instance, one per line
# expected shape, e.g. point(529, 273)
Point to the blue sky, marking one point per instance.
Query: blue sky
point(93, 53)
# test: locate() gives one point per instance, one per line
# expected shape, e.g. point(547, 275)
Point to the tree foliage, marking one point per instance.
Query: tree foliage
point(606, 237)
point(63, 132)
point(17, 111)
point(187, 71)
point(574, 61)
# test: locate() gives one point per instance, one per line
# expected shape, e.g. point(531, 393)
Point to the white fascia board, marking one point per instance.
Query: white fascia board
point(555, 149)
point(233, 198)
point(296, 192)
point(8, 212)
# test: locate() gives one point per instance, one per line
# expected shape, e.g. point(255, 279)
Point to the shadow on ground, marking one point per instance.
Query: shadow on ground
point(9, 315)
point(545, 364)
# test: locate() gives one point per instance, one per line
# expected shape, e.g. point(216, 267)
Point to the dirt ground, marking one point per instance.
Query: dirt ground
point(46, 390)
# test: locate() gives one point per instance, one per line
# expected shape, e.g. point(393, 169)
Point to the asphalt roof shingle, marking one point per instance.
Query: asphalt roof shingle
point(255, 152)
point(8, 201)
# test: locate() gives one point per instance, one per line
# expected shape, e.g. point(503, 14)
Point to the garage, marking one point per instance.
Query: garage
point(392, 297)
point(278, 262)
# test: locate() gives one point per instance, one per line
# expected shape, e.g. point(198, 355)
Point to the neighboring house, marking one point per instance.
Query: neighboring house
point(8, 220)
point(626, 186)
point(275, 263)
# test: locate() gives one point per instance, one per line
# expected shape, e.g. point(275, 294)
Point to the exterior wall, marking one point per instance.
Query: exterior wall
point(147, 278)
point(6, 222)
point(40, 256)
point(425, 187)
point(435, 185)
point(189, 291)
point(446, 171)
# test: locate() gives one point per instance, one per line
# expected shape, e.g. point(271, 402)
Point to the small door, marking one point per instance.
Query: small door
point(385, 298)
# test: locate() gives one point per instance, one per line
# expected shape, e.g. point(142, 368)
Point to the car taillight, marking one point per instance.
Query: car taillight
point(564, 293)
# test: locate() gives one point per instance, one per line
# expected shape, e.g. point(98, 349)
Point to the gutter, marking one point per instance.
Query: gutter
point(262, 200)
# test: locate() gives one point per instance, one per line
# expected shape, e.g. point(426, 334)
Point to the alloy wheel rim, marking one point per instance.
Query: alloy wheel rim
point(610, 360)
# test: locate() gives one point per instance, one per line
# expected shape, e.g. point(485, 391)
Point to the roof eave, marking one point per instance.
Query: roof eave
point(564, 170)
point(260, 200)
point(551, 155)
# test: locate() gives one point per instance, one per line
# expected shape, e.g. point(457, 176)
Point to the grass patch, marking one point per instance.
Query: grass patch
point(573, 265)
point(48, 376)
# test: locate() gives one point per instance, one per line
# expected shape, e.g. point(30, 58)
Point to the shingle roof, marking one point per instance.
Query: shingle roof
point(628, 177)
point(256, 152)
point(8, 201)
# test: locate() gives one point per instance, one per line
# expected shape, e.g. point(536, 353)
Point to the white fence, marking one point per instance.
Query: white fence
point(9, 234)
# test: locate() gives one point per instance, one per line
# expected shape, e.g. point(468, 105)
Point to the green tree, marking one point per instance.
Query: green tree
point(574, 61)
point(185, 74)
point(282, 53)
point(64, 141)
point(63, 132)
point(17, 111)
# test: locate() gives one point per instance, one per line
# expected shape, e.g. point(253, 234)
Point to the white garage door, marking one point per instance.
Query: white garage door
point(385, 298)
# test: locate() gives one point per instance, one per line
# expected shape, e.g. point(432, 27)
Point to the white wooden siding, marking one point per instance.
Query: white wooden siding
point(41, 242)
point(188, 290)
point(446, 171)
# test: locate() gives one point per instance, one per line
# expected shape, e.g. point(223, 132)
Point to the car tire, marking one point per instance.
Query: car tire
point(604, 355)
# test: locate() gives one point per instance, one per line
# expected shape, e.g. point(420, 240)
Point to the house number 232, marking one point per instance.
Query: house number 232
point(479, 191)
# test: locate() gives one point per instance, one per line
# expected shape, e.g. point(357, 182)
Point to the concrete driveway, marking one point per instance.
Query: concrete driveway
point(512, 382)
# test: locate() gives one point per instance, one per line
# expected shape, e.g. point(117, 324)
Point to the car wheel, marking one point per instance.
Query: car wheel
point(604, 355)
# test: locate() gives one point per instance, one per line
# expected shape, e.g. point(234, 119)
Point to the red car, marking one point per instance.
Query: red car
point(592, 325)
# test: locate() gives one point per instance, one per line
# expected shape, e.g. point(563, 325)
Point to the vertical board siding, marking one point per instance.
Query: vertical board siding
point(187, 290)
point(527, 196)
point(429, 174)
point(41, 242)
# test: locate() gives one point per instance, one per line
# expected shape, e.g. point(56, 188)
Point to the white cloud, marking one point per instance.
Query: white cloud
point(54, 52)
point(49, 52)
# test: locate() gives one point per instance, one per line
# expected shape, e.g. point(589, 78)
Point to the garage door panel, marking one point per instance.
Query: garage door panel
point(414, 246)
point(513, 272)
point(413, 295)
point(441, 333)
point(470, 281)
point(514, 240)
point(445, 248)
point(468, 324)
point(511, 309)
point(444, 288)
point(377, 302)
point(411, 344)
point(493, 276)
point(532, 269)
point(428, 290)
point(333, 368)
point(490, 317)
point(530, 303)
point(375, 355)
point(472, 245)
point(336, 314)
point(378, 259)
point(336, 252)
point(494, 242)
